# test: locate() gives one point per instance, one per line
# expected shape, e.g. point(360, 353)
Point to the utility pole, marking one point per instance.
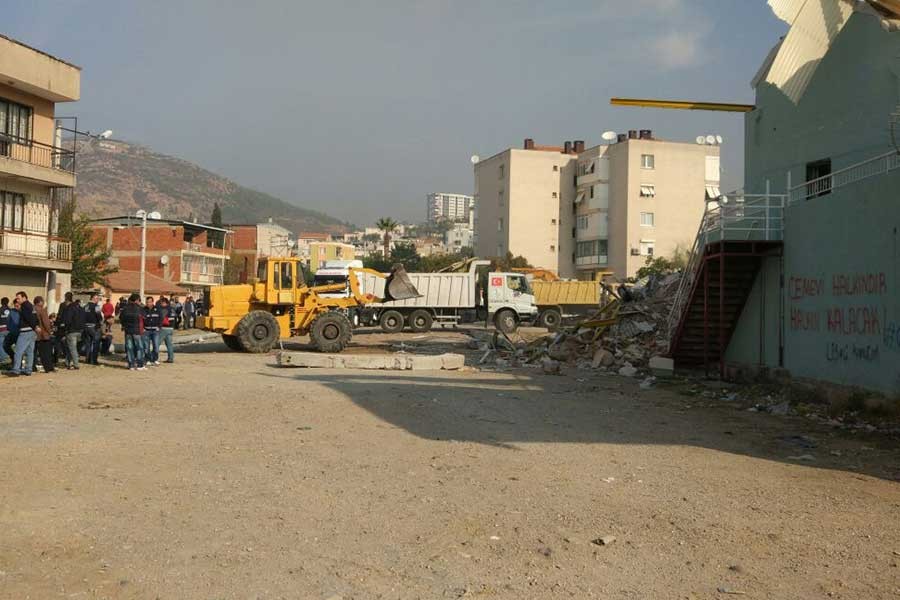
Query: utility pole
point(143, 215)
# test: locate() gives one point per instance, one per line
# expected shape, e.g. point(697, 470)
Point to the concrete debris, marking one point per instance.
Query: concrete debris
point(399, 362)
point(661, 366)
point(550, 366)
point(627, 370)
point(606, 540)
point(647, 383)
point(603, 358)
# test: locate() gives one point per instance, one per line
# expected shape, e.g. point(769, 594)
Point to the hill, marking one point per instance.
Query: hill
point(117, 178)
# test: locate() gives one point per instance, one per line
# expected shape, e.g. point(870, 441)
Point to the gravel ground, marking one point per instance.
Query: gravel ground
point(222, 476)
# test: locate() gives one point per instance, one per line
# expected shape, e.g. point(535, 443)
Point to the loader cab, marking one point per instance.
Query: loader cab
point(282, 278)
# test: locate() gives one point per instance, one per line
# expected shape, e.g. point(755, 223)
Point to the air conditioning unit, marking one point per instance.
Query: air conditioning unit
point(635, 251)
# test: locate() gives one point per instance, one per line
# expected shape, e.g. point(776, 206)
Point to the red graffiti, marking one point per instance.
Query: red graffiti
point(854, 321)
point(803, 287)
point(865, 284)
point(804, 320)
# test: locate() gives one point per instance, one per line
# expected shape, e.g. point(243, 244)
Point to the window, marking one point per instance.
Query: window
point(817, 178)
point(553, 221)
point(647, 219)
point(648, 190)
point(501, 171)
point(712, 192)
point(647, 247)
point(592, 191)
point(286, 279)
point(583, 222)
point(586, 168)
point(552, 248)
point(555, 195)
point(593, 248)
point(12, 211)
point(555, 168)
point(579, 198)
point(500, 224)
point(648, 161)
point(15, 122)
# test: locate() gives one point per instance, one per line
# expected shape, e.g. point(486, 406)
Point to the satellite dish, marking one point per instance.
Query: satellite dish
point(609, 136)
point(155, 216)
point(141, 214)
point(164, 259)
point(701, 140)
point(106, 134)
point(710, 139)
point(719, 140)
point(723, 200)
point(475, 159)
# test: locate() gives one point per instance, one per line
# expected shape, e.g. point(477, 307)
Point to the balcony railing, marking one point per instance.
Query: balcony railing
point(36, 153)
point(822, 186)
point(34, 245)
point(202, 278)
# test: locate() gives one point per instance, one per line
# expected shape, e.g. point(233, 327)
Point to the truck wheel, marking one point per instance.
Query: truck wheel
point(420, 320)
point(506, 321)
point(391, 321)
point(331, 332)
point(550, 319)
point(232, 342)
point(258, 332)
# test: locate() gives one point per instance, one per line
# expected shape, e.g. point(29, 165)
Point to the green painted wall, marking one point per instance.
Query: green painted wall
point(841, 292)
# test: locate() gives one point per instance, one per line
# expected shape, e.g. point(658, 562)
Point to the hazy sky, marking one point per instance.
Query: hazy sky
point(361, 108)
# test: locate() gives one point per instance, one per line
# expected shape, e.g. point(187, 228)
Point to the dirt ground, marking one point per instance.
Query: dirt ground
point(223, 476)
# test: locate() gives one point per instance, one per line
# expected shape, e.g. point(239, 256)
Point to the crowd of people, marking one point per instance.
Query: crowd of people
point(33, 340)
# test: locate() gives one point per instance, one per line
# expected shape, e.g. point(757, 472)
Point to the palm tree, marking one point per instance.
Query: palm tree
point(387, 225)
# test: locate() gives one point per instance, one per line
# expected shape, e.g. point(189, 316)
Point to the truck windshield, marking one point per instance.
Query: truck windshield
point(329, 279)
point(518, 283)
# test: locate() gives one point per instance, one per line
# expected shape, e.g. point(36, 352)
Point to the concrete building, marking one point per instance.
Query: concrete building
point(460, 236)
point(440, 206)
point(189, 255)
point(322, 252)
point(823, 297)
point(36, 173)
point(580, 212)
point(251, 242)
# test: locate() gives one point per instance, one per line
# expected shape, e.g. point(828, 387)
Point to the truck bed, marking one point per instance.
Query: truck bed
point(438, 290)
point(566, 293)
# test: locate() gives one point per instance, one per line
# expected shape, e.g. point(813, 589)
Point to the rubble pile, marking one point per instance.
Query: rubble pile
point(626, 346)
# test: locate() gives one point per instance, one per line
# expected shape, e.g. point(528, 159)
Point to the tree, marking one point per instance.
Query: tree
point(90, 257)
point(406, 254)
point(376, 262)
point(216, 238)
point(387, 225)
point(509, 262)
point(216, 218)
point(661, 266)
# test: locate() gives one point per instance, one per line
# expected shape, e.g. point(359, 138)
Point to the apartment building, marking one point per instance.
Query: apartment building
point(254, 241)
point(448, 207)
point(583, 212)
point(322, 252)
point(189, 255)
point(36, 173)
point(460, 236)
point(524, 202)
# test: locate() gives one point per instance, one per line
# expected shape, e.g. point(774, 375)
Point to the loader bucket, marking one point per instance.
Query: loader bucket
point(398, 286)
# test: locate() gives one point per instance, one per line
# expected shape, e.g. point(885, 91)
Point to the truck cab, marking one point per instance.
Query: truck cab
point(510, 300)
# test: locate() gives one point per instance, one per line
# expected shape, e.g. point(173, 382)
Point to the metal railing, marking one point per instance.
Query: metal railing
point(34, 245)
point(822, 186)
point(736, 217)
point(37, 153)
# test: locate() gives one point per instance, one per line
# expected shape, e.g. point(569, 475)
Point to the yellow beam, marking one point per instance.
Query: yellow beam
point(682, 104)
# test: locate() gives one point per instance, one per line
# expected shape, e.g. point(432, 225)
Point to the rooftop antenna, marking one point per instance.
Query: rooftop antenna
point(701, 139)
point(711, 140)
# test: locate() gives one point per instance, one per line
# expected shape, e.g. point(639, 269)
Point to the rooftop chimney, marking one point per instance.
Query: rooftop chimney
point(632, 134)
point(646, 134)
point(529, 144)
point(621, 137)
point(579, 146)
point(567, 148)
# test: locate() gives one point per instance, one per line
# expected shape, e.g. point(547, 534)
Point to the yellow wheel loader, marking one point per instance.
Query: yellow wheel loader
point(278, 304)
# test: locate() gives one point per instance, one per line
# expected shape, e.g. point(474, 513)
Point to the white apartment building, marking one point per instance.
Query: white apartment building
point(451, 207)
point(584, 212)
point(458, 237)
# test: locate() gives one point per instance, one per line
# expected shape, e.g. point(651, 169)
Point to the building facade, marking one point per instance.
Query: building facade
point(460, 236)
point(189, 255)
point(448, 207)
point(37, 174)
point(585, 212)
point(252, 242)
point(322, 252)
point(828, 308)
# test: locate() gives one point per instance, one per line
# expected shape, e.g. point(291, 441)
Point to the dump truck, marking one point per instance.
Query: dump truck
point(278, 304)
point(557, 300)
point(505, 299)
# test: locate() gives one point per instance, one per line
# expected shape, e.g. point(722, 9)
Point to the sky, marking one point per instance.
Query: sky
point(359, 109)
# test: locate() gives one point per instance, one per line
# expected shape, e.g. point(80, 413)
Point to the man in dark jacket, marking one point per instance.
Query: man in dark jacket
point(131, 317)
point(4, 328)
point(12, 327)
point(25, 341)
point(152, 321)
point(44, 331)
point(93, 319)
point(73, 320)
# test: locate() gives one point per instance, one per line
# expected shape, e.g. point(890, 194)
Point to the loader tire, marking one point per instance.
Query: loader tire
point(391, 321)
point(330, 332)
point(550, 319)
point(506, 321)
point(258, 332)
point(420, 321)
point(232, 342)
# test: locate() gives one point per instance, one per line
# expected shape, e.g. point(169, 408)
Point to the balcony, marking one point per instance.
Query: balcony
point(201, 269)
point(34, 250)
point(592, 261)
point(30, 159)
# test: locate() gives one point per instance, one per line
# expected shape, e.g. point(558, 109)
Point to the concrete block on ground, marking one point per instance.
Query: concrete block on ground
point(662, 366)
point(383, 362)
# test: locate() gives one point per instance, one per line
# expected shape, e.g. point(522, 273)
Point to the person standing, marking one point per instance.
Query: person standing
point(73, 321)
point(12, 326)
point(92, 322)
point(152, 320)
point(25, 341)
point(44, 343)
point(108, 310)
point(178, 309)
point(189, 309)
point(4, 328)
point(166, 330)
point(131, 317)
point(122, 303)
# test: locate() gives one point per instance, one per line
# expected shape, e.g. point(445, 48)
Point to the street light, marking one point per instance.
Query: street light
point(143, 215)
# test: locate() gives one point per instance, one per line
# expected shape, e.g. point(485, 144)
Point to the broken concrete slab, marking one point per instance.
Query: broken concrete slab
point(392, 362)
point(661, 366)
